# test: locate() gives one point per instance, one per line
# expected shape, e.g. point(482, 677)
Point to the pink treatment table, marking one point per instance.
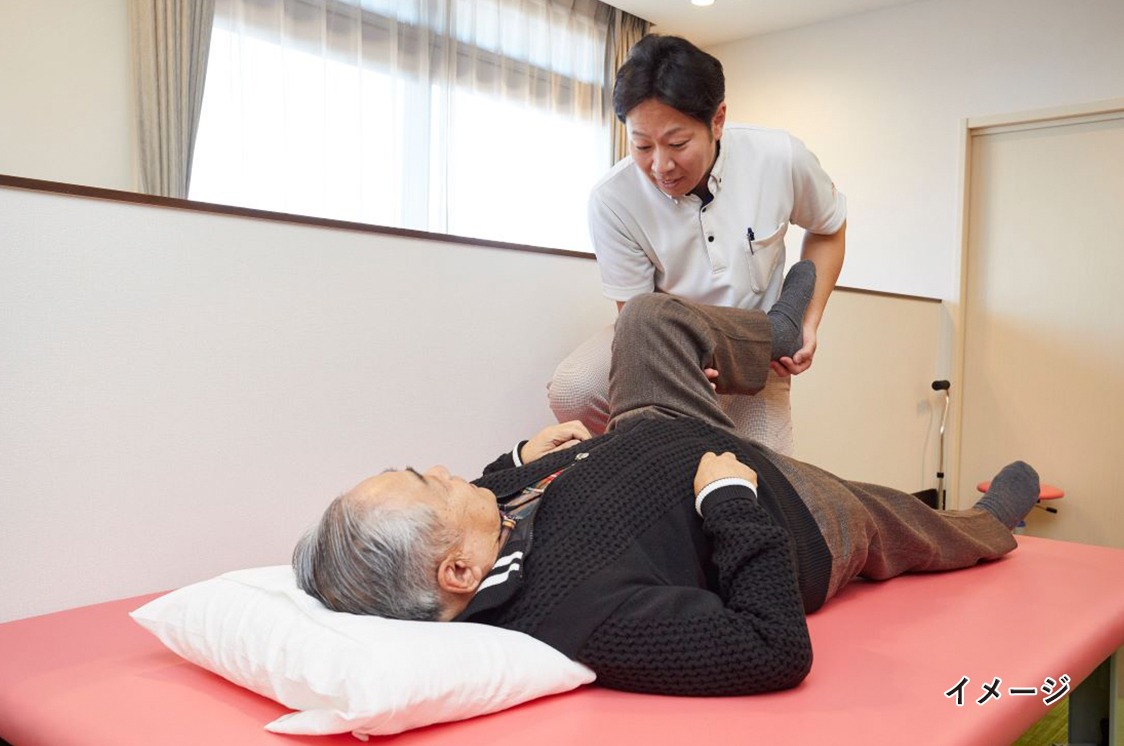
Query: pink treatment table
point(885, 654)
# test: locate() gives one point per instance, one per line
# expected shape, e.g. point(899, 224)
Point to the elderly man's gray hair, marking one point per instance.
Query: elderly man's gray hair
point(367, 559)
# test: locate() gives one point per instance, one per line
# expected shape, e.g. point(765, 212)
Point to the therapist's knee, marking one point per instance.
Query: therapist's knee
point(577, 392)
point(579, 388)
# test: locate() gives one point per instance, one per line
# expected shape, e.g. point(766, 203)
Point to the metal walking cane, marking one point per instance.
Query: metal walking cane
point(935, 498)
point(942, 386)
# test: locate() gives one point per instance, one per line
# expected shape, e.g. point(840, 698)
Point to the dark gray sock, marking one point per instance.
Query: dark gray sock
point(1012, 494)
point(786, 317)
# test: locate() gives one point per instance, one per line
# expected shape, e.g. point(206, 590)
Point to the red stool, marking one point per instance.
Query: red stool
point(1045, 492)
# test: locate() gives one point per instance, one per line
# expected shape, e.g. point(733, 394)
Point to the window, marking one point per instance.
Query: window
point(482, 118)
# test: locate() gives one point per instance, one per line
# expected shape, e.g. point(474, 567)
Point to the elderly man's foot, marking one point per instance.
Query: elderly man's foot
point(1012, 494)
point(786, 317)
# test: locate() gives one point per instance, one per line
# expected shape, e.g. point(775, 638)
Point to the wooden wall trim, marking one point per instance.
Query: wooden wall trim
point(117, 195)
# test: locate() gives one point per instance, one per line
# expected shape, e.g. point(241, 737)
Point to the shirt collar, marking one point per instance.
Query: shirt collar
point(715, 180)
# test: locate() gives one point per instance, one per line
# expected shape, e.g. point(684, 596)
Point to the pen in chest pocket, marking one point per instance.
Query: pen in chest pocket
point(750, 237)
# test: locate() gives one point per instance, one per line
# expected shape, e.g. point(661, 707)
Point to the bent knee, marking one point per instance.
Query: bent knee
point(644, 311)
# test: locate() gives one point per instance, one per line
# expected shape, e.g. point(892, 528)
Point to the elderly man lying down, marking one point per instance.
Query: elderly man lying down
point(668, 555)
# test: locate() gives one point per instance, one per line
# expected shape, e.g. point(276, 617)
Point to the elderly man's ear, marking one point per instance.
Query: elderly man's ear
point(458, 576)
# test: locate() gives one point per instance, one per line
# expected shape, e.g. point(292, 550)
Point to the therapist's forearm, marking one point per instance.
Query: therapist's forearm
point(826, 252)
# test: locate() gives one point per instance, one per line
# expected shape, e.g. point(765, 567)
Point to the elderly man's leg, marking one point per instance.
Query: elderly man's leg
point(663, 343)
point(879, 532)
point(904, 535)
point(579, 390)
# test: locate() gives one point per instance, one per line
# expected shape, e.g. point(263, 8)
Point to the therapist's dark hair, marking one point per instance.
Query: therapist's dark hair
point(673, 71)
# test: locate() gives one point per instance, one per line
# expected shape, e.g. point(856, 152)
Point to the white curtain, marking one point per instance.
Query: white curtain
point(482, 118)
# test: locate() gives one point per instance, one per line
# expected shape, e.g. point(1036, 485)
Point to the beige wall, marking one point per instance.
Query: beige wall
point(866, 409)
point(183, 392)
point(64, 112)
point(879, 98)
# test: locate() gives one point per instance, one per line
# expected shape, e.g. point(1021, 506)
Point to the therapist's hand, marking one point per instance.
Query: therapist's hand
point(554, 438)
point(802, 360)
point(711, 375)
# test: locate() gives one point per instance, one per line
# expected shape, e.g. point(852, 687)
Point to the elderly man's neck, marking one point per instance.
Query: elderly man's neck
point(453, 606)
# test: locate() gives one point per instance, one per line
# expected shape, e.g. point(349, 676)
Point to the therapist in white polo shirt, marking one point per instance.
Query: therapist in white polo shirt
point(699, 209)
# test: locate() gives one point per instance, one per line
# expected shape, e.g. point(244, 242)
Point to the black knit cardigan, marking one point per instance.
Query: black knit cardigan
point(618, 571)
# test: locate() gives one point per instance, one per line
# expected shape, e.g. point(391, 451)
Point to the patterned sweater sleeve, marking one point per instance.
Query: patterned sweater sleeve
point(749, 637)
point(506, 460)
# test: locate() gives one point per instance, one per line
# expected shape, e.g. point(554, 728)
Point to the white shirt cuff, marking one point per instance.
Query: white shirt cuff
point(718, 484)
point(515, 454)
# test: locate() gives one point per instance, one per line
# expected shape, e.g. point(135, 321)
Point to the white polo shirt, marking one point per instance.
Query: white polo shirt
point(728, 253)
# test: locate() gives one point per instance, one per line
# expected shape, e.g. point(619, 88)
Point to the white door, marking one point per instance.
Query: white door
point(1044, 324)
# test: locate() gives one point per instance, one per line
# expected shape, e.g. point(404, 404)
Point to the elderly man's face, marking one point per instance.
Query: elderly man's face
point(464, 509)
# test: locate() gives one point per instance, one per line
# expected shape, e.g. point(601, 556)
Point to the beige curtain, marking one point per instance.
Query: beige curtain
point(170, 40)
point(625, 30)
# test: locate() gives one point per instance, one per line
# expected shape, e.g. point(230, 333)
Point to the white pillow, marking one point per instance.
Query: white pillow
point(363, 674)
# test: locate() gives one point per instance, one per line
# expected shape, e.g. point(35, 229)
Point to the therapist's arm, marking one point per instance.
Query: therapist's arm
point(826, 252)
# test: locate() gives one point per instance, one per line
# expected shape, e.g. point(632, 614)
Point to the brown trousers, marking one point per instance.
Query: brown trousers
point(661, 346)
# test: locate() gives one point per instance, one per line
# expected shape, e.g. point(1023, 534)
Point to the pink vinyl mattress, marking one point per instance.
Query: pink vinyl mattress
point(885, 654)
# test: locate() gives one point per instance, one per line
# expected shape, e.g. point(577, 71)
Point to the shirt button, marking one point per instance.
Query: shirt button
point(710, 238)
point(580, 456)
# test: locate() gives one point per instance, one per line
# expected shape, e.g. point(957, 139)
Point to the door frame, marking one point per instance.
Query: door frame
point(969, 128)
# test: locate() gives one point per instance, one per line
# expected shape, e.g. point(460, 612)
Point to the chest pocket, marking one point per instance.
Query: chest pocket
point(763, 255)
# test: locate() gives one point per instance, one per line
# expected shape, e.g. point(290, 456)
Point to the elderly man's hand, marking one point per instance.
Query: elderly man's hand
point(554, 438)
point(712, 468)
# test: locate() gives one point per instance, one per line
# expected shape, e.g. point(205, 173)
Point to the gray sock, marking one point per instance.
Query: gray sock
point(1012, 494)
point(786, 317)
